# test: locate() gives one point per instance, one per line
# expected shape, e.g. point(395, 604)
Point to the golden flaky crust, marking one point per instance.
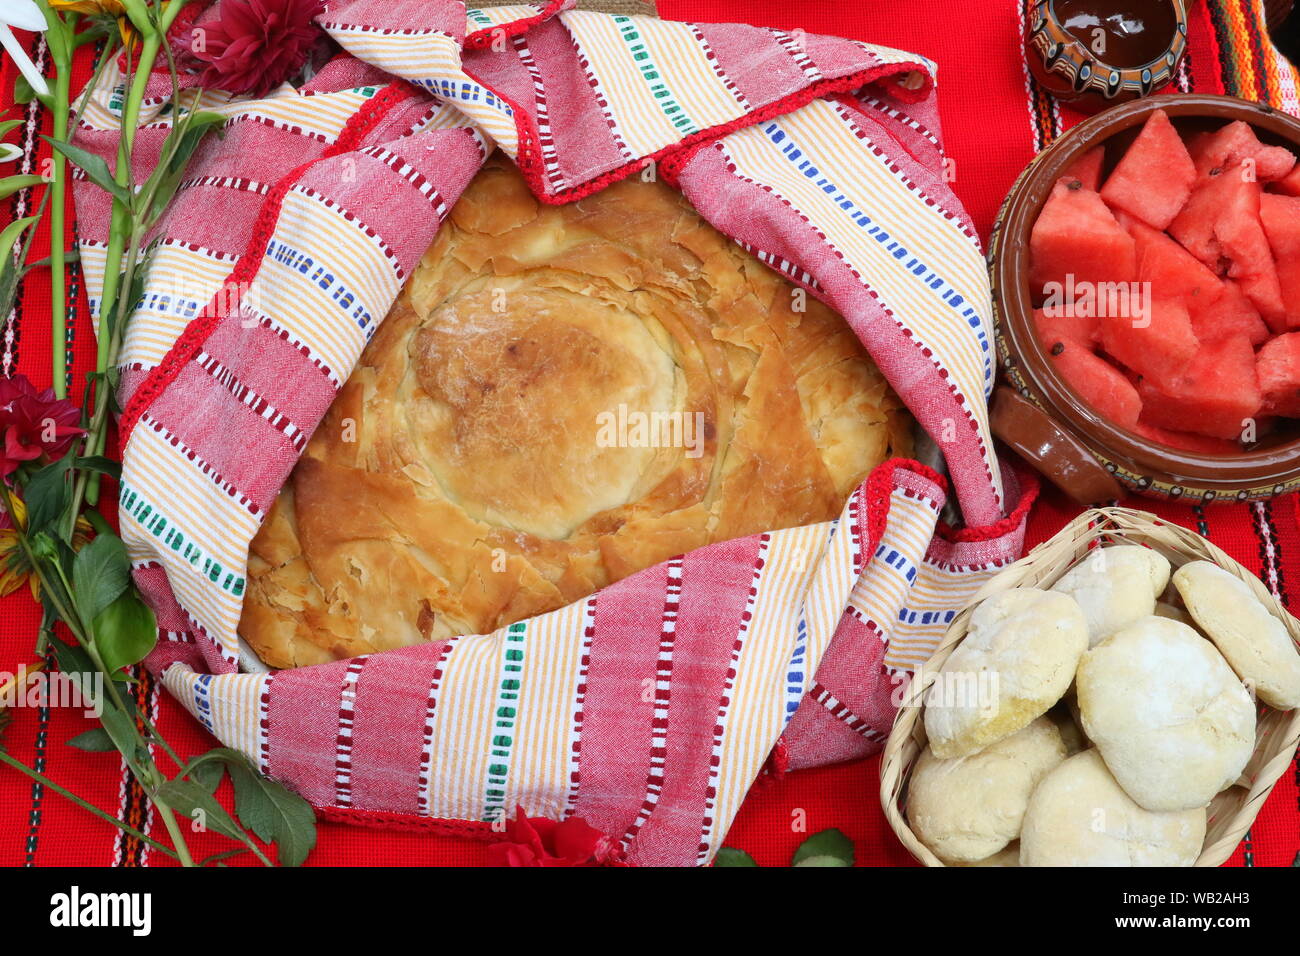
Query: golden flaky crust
point(496, 453)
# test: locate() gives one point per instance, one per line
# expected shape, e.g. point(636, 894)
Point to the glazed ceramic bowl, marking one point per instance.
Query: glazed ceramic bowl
point(1096, 53)
point(1038, 414)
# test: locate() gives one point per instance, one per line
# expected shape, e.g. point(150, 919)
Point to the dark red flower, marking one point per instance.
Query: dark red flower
point(537, 841)
point(33, 423)
point(252, 46)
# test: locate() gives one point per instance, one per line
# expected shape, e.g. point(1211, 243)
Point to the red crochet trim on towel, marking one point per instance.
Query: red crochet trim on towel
point(484, 37)
point(673, 157)
point(991, 532)
point(190, 342)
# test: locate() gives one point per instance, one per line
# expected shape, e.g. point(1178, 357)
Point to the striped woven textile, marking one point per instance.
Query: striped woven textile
point(650, 707)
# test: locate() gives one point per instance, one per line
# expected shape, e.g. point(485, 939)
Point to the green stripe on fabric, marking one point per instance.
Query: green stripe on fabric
point(503, 720)
point(653, 77)
point(171, 537)
point(479, 17)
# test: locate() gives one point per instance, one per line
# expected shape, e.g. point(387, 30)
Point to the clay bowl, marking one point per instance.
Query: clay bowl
point(1039, 415)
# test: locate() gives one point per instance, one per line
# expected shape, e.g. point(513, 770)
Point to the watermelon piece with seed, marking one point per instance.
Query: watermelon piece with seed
point(1054, 327)
point(1236, 143)
point(1278, 367)
point(1076, 234)
point(1105, 388)
point(1213, 394)
point(1186, 441)
point(1087, 168)
point(1155, 346)
point(1154, 177)
point(1280, 216)
point(1172, 271)
point(1229, 313)
point(1220, 225)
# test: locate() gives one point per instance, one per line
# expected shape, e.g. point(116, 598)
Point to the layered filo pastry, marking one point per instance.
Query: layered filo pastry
point(561, 396)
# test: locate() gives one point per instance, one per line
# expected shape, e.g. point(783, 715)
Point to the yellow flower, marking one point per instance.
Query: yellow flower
point(24, 671)
point(100, 8)
point(14, 567)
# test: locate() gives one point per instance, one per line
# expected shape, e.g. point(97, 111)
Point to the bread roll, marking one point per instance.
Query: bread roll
point(1254, 642)
point(1080, 816)
point(1017, 660)
point(1168, 715)
point(968, 808)
point(1115, 586)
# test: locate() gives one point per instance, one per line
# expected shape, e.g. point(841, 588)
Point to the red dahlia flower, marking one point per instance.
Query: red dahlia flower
point(537, 841)
point(252, 46)
point(33, 423)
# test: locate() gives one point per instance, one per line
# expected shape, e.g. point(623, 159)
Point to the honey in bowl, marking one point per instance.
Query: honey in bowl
point(1094, 53)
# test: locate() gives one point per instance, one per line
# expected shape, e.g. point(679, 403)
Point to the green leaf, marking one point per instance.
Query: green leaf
point(11, 184)
point(94, 166)
point(730, 856)
point(274, 813)
point(105, 466)
point(823, 861)
point(207, 774)
point(94, 740)
point(46, 495)
point(125, 632)
point(186, 797)
point(12, 233)
point(23, 92)
point(100, 573)
point(9, 126)
point(830, 843)
point(186, 136)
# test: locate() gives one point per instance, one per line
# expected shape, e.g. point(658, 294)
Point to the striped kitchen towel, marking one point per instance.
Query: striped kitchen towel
point(650, 707)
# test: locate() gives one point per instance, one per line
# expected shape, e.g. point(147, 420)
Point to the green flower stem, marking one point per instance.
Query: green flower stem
point(49, 784)
point(61, 54)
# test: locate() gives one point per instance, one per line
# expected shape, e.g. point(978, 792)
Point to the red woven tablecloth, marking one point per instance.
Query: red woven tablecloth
point(994, 121)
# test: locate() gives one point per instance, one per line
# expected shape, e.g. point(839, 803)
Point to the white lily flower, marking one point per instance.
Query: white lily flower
point(22, 15)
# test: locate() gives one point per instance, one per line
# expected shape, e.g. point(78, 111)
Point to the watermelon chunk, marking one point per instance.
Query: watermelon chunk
point(1186, 441)
point(1155, 175)
point(1288, 185)
point(1160, 348)
point(1172, 271)
point(1076, 235)
point(1229, 313)
point(1214, 393)
point(1280, 216)
point(1220, 225)
point(1236, 143)
point(1278, 365)
point(1054, 327)
point(1105, 388)
point(1087, 168)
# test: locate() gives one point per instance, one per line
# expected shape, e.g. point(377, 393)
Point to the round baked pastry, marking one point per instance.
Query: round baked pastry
point(1115, 586)
point(1080, 816)
point(1168, 715)
point(1017, 659)
point(968, 808)
point(1255, 643)
point(561, 396)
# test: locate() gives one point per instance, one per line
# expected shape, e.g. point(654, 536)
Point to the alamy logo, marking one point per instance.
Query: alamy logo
point(627, 428)
point(77, 909)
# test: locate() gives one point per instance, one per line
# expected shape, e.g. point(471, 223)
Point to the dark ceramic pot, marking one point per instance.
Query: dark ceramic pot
point(1039, 415)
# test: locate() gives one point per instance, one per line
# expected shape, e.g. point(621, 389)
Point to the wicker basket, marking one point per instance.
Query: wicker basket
point(1277, 733)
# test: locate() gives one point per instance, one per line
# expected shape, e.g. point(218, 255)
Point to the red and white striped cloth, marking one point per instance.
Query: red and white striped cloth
point(650, 707)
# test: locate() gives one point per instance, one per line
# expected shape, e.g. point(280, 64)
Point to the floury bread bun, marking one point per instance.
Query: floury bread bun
point(1168, 715)
point(1115, 586)
point(560, 397)
point(1017, 660)
point(968, 808)
point(1255, 643)
point(1080, 816)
